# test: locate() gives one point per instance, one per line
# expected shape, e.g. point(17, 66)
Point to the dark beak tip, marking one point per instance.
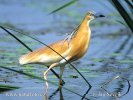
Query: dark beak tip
point(98, 15)
point(101, 16)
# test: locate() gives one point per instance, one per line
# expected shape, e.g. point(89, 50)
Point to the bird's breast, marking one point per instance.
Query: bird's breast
point(79, 46)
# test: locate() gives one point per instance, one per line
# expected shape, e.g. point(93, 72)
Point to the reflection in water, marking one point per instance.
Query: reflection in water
point(59, 89)
point(61, 94)
point(45, 97)
point(54, 93)
point(117, 92)
point(86, 93)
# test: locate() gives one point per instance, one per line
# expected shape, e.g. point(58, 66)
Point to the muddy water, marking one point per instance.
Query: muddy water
point(108, 56)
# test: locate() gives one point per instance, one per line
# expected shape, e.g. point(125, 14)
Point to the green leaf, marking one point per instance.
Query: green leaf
point(129, 3)
point(7, 87)
point(16, 38)
point(123, 13)
point(64, 6)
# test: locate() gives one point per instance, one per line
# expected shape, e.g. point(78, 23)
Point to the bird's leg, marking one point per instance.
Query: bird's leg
point(61, 73)
point(45, 75)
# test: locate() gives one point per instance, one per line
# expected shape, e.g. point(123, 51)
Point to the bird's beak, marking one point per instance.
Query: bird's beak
point(98, 15)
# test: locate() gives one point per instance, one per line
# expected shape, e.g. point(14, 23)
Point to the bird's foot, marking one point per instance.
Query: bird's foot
point(61, 82)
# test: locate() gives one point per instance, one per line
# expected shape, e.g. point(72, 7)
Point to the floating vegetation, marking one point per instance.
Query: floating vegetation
point(126, 61)
point(115, 54)
point(98, 59)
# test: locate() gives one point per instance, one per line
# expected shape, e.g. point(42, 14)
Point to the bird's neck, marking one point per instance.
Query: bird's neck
point(84, 29)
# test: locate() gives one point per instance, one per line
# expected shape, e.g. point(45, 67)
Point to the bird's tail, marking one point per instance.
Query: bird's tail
point(28, 58)
point(22, 60)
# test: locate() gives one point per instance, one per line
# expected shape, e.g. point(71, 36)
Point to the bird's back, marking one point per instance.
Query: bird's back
point(46, 55)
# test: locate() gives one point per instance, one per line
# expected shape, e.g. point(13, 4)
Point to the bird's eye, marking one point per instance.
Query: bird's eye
point(90, 13)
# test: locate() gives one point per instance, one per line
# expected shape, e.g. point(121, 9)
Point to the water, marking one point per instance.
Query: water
point(108, 55)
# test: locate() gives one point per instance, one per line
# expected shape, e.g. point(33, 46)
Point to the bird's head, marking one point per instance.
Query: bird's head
point(91, 15)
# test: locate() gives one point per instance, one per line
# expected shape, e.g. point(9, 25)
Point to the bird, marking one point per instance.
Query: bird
point(72, 48)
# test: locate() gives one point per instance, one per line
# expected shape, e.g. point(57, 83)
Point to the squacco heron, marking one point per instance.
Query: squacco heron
point(71, 48)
